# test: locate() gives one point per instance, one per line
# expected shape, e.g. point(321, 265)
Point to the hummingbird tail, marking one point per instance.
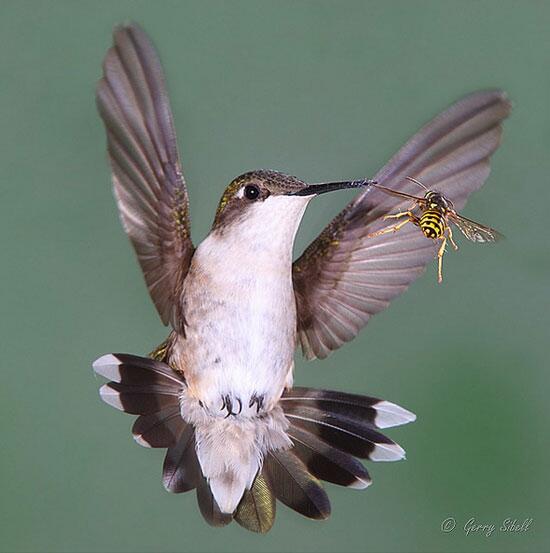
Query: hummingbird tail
point(240, 468)
point(231, 450)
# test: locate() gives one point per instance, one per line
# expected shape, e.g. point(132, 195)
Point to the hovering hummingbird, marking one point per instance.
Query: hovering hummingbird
point(218, 392)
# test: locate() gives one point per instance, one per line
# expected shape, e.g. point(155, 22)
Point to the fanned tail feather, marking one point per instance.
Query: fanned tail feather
point(326, 462)
point(377, 412)
point(256, 511)
point(160, 429)
point(208, 506)
point(295, 486)
point(329, 431)
point(348, 422)
point(181, 472)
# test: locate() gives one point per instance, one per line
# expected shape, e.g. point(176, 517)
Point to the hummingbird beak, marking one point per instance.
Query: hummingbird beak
point(316, 189)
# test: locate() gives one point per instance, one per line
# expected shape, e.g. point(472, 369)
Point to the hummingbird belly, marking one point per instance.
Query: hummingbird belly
point(240, 331)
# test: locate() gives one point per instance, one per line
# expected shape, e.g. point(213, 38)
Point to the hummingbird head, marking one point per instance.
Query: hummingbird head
point(270, 200)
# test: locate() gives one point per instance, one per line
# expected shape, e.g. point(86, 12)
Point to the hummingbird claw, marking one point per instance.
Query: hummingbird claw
point(258, 400)
point(228, 404)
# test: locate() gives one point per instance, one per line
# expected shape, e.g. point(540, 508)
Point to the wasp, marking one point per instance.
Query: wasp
point(434, 220)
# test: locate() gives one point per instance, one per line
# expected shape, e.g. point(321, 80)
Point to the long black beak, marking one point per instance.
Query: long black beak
point(315, 189)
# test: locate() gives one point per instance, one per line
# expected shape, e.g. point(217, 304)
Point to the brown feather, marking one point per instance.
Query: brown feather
point(354, 436)
point(327, 462)
point(295, 486)
point(148, 181)
point(159, 429)
point(208, 506)
point(181, 471)
point(256, 511)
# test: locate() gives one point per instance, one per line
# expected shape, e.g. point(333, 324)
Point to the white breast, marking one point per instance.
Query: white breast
point(240, 308)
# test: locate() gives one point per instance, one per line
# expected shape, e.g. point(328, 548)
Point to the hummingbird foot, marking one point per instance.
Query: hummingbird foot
point(234, 405)
point(227, 404)
point(258, 400)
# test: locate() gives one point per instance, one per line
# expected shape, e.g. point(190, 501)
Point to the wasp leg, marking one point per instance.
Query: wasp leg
point(440, 254)
point(455, 247)
point(410, 218)
point(398, 215)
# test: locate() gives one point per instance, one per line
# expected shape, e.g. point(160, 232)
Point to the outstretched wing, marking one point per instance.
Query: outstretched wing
point(148, 182)
point(344, 277)
point(476, 232)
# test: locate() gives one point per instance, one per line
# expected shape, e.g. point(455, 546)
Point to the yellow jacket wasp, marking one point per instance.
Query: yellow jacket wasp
point(436, 214)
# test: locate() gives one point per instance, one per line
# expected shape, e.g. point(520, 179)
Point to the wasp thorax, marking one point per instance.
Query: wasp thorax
point(437, 201)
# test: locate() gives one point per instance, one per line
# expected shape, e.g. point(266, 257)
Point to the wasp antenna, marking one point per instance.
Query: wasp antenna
point(417, 182)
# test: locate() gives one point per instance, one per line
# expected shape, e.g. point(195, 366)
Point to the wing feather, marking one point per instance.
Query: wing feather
point(148, 182)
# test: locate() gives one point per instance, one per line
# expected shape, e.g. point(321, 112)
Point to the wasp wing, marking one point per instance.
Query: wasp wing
point(148, 182)
point(475, 232)
point(344, 276)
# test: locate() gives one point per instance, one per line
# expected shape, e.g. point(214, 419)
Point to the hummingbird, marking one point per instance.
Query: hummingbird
point(218, 392)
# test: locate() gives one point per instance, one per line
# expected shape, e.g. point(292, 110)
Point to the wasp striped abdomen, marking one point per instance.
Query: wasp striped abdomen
point(432, 223)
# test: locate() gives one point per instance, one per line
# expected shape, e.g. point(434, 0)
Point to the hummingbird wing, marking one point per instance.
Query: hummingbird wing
point(344, 276)
point(148, 182)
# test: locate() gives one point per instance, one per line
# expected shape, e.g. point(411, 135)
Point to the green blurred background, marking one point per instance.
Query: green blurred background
point(323, 90)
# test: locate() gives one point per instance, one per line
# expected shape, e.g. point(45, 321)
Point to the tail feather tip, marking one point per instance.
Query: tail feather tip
point(387, 452)
point(111, 397)
point(106, 366)
point(360, 483)
point(389, 414)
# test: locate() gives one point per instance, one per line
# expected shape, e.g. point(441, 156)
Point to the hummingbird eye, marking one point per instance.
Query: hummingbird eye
point(251, 192)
